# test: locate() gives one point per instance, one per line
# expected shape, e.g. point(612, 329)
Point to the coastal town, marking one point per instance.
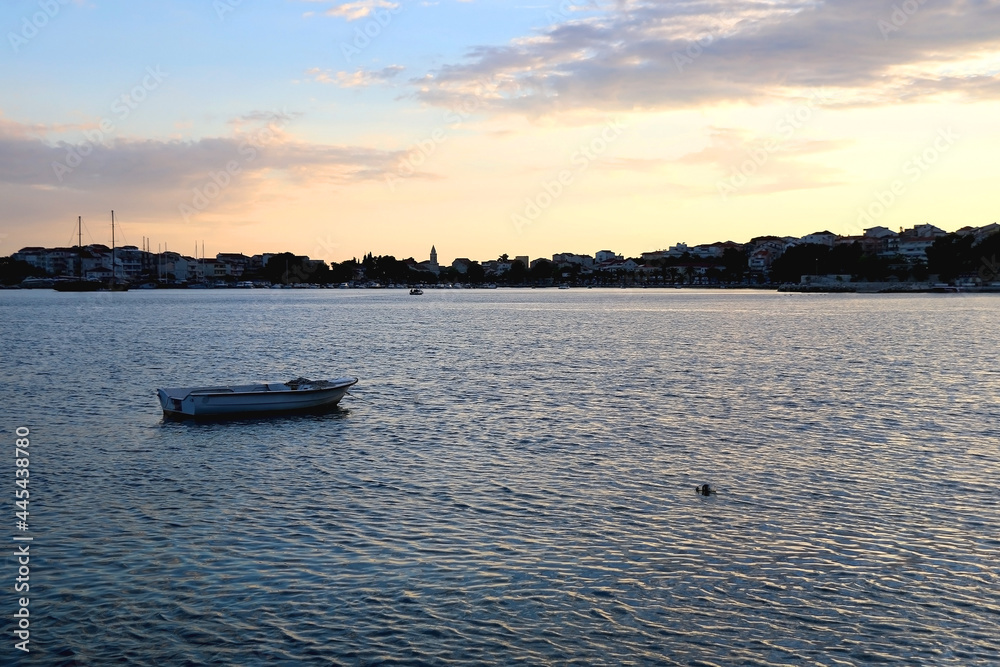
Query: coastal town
point(879, 257)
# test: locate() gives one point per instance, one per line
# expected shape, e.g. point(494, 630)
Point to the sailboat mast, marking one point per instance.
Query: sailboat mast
point(79, 247)
point(112, 249)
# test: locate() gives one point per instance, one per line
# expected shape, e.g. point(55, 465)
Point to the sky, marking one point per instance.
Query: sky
point(335, 129)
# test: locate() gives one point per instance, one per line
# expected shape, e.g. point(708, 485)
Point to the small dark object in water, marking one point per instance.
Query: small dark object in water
point(705, 490)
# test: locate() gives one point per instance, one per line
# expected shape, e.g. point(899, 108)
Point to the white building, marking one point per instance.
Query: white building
point(986, 231)
point(572, 259)
point(879, 233)
point(495, 267)
point(913, 243)
point(678, 250)
point(821, 238)
point(129, 261)
point(620, 265)
point(654, 255)
point(602, 256)
point(174, 266)
point(706, 250)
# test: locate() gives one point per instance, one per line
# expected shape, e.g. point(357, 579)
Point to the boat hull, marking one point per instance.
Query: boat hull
point(77, 286)
point(268, 398)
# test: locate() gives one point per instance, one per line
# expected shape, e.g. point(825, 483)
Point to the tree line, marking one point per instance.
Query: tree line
point(950, 257)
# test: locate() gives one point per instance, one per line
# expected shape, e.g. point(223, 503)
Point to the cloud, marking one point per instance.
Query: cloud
point(172, 184)
point(633, 164)
point(646, 55)
point(361, 78)
point(353, 11)
point(161, 174)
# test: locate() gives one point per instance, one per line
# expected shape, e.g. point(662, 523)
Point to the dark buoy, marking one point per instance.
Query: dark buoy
point(705, 490)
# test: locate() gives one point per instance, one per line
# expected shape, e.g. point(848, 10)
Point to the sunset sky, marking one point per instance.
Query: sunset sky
point(334, 129)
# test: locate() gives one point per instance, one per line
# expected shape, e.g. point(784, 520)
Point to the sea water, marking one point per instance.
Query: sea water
point(512, 480)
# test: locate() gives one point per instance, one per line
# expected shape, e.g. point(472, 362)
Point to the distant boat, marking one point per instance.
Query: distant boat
point(416, 291)
point(77, 286)
point(264, 398)
point(37, 283)
point(564, 287)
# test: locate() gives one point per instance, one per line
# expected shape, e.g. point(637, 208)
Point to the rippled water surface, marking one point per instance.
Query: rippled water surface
point(512, 480)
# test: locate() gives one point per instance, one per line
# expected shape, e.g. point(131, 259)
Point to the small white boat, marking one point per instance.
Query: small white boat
point(267, 397)
point(416, 291)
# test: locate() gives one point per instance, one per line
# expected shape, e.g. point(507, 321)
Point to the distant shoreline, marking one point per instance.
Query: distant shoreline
point(845, 288)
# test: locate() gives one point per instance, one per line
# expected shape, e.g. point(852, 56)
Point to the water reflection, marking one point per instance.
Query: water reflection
point(287, 418)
